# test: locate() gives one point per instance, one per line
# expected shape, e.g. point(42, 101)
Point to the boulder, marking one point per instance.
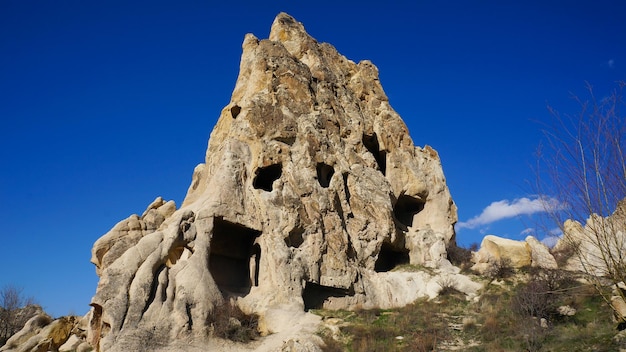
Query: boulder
point(540, 255)
point(311, 193)
point(494, 249)
point(518, 254)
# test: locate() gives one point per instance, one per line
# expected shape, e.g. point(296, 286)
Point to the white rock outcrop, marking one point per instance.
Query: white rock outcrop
point(518, 254)
point(599, 246)
point(540, 255)
point(311, 192)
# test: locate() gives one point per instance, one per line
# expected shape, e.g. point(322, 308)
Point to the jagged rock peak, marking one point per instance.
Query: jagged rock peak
point(310, 193)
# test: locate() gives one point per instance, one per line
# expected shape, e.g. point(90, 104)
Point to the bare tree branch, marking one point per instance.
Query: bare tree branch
point(582, 164)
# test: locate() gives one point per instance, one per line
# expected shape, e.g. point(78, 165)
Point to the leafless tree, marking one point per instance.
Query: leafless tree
point(12, 314)
point(582, 163)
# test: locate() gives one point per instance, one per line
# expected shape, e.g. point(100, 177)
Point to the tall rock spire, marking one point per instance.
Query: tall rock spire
point(311, 192)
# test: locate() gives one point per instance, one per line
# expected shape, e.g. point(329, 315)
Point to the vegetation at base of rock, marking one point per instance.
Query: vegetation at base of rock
point(230, 322)
point(15, 310)
point(500, 269)
point(508, 316)
point(461, 256)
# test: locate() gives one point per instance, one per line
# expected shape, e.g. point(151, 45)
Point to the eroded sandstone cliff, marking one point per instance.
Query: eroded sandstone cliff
point(311, 192)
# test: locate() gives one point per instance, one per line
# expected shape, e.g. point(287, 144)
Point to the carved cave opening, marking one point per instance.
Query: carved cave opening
point(235, 110)
point(405, 209)
point(371, 143)
point(234, 258)
point(389, 257)
point(265, 177)
point(315, 295)
point(324, 174)
point(295, 237)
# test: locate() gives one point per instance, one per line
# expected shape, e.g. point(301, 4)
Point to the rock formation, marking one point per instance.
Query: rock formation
point(312, 191)
point(598, 246)
point(42, 333)
point(518, 254)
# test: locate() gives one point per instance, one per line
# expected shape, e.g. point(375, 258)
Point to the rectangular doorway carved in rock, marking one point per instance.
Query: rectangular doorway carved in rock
point(234, 258)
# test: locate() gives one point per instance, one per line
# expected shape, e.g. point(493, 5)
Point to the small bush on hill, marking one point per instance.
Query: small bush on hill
point(230, 322)
point(460, 256)
point(500, 269)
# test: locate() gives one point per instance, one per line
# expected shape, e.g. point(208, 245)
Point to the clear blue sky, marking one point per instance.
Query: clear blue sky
point(106, 105)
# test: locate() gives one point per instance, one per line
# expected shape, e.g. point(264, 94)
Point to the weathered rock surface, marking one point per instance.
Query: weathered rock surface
point(540, 255)
point(311, 192)
point(41, 333)
point(518, 254)
point(601, 241)
point(598, 248)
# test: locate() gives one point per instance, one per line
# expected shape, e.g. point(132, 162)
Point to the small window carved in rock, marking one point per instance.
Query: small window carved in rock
point(324, 174)
point(405, 209)
point(295, 238)
point(265, 177)
point(371, 143)
point(235, 110)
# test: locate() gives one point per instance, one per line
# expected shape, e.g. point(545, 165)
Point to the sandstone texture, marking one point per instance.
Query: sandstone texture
point(540, 255)
point(518, 254)
point(41, 333)
point(598, 247)
point(311, 193)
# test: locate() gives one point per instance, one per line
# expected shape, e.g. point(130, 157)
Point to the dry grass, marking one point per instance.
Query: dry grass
point(493, 323)
point(230, 322)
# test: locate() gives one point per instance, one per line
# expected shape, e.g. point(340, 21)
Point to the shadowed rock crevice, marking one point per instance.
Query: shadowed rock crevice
point(345, 187)
point(371, 143)
point(315, 295)
point(289, 140)
point(154, 288)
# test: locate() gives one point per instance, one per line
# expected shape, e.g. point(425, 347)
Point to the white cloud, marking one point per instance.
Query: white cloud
point(611, 63)
point(505, 209)
point(528, 231)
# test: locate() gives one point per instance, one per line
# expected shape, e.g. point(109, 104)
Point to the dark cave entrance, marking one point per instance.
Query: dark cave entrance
point(265, 177)
point(234, 258)
point(295, 238)
point(371, 143)
point(324, 173)
point(389, 257)
point(405, 209)
point(314, 295)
